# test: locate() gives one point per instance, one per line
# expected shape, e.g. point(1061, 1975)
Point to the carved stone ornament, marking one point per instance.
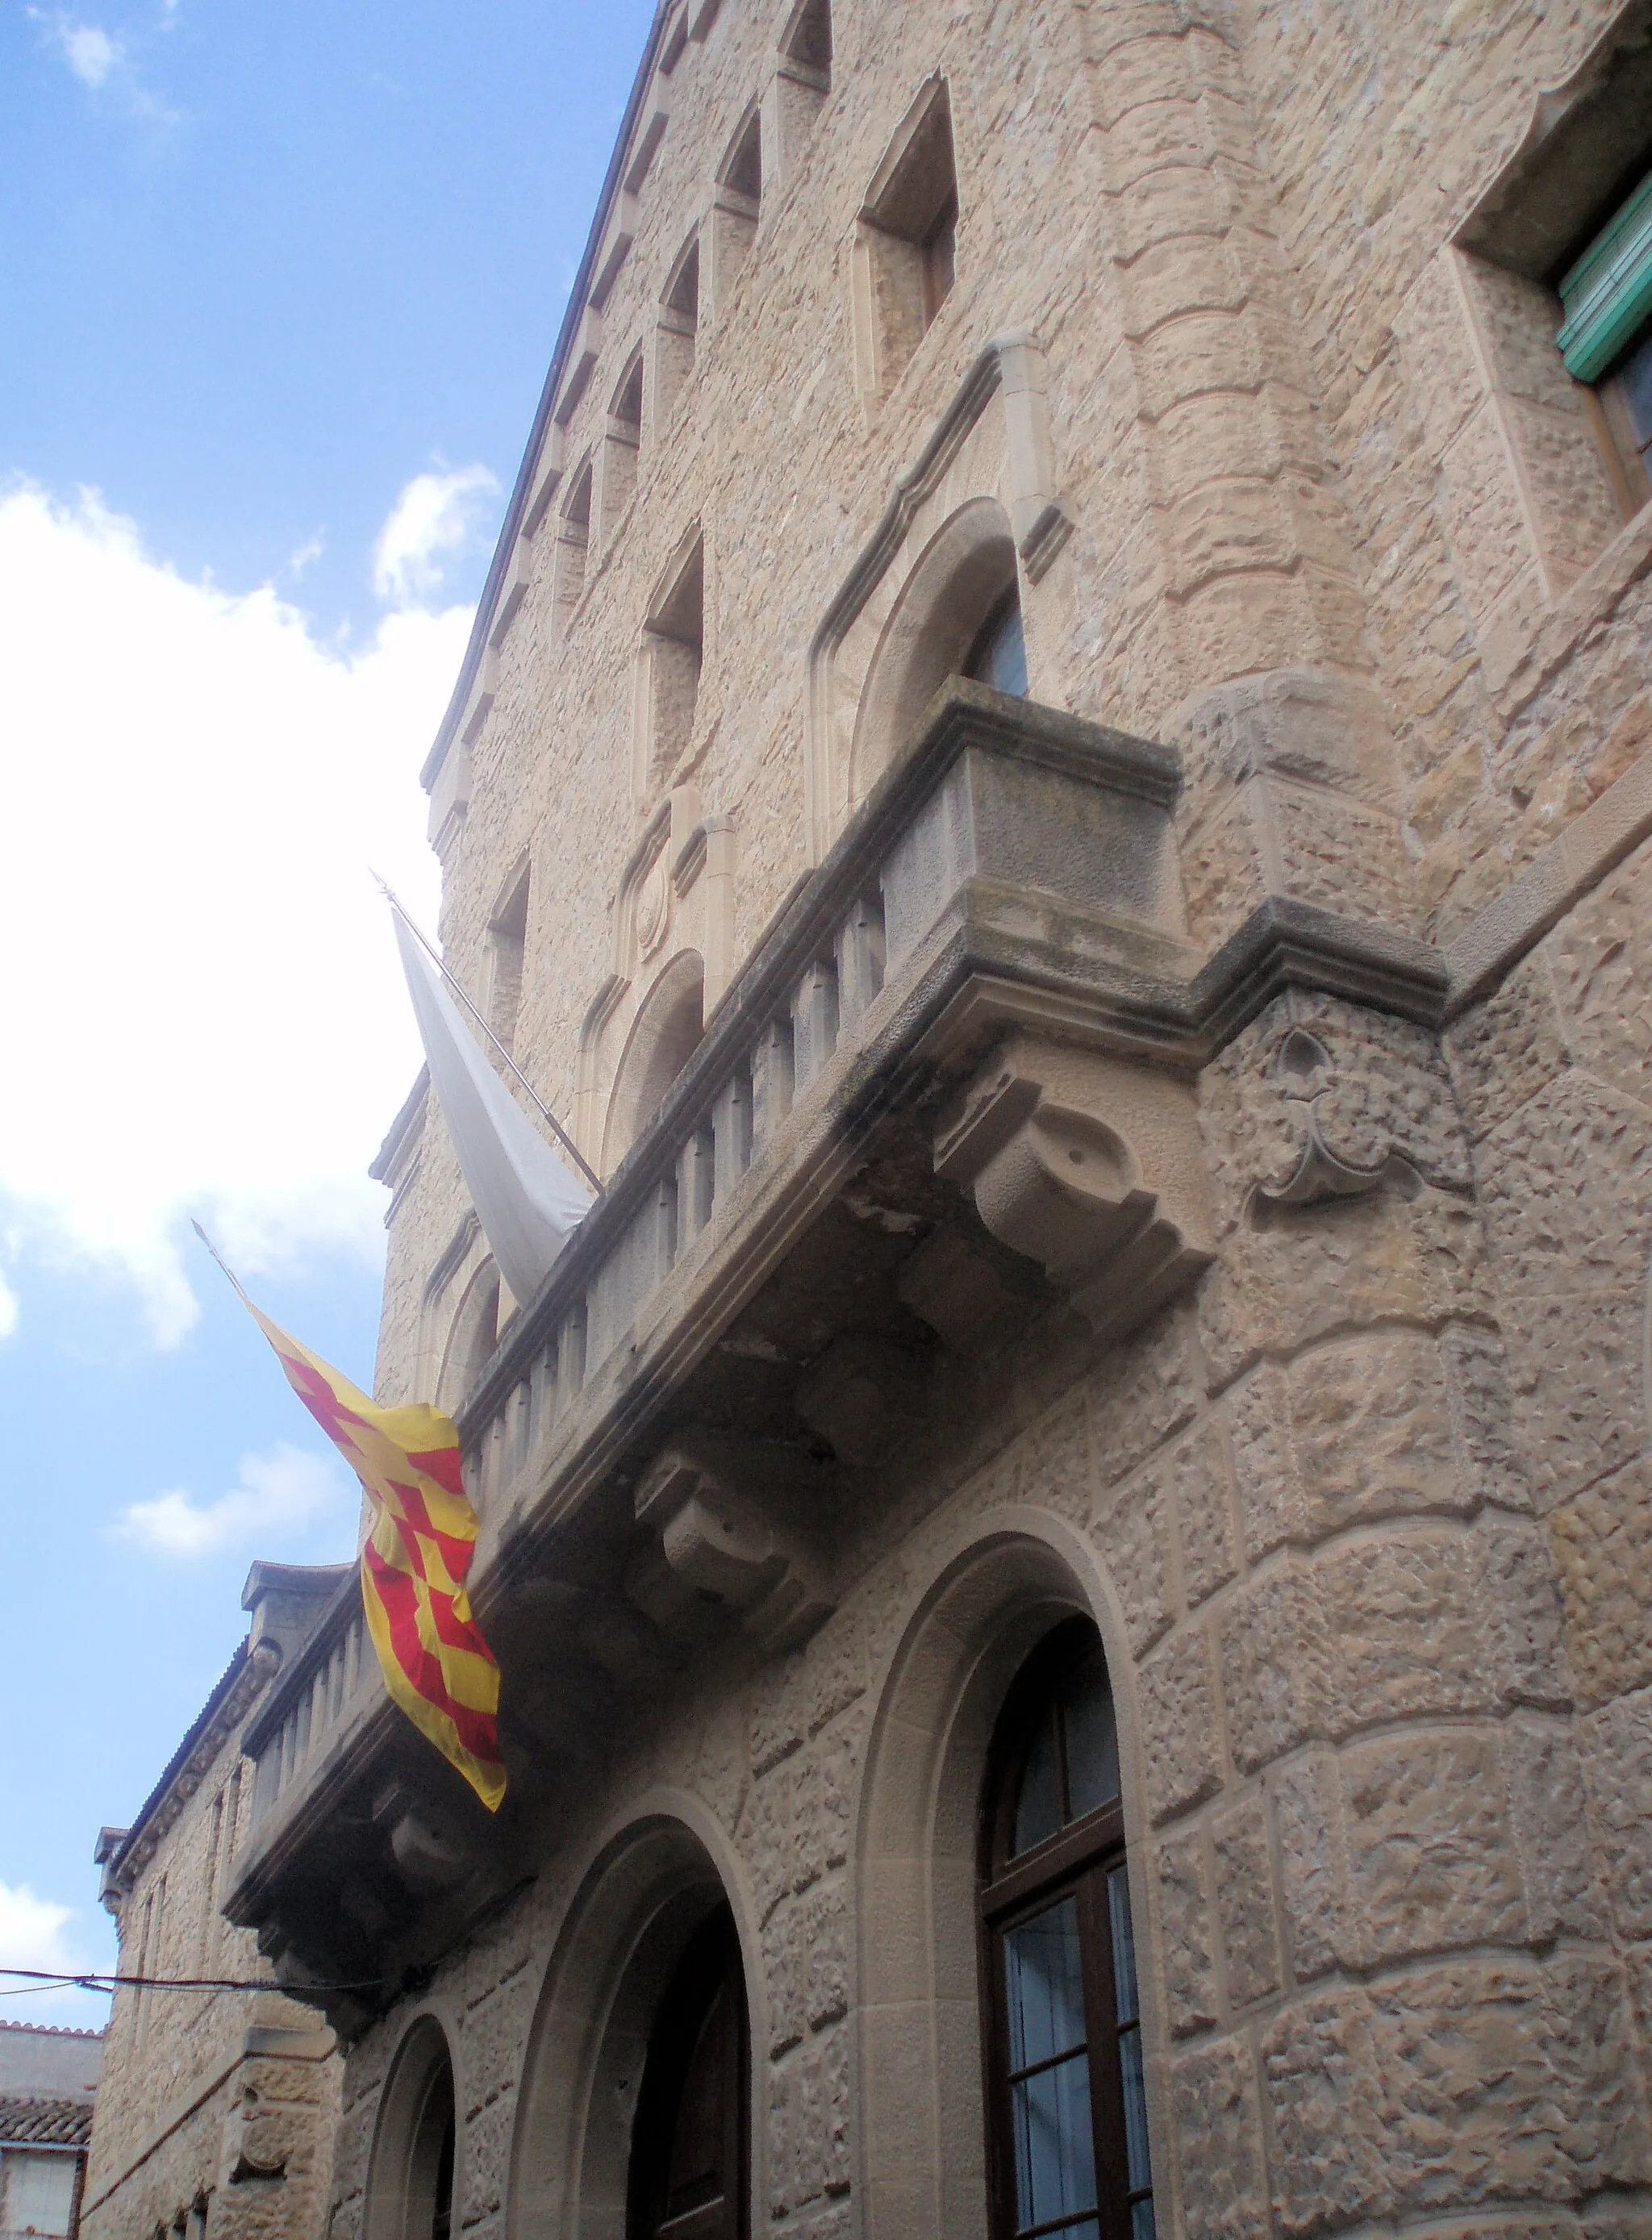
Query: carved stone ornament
point(730, 1537)
point(1092, 1166)
point(263, 2147)
point(1370, 1106)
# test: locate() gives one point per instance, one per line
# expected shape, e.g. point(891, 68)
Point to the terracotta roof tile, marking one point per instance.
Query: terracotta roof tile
point(45, 2122)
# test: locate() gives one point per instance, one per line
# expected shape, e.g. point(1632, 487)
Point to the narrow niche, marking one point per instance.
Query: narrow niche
point(803, 80)
point(507, 942)
point(678, 329)
point(621, 444)
point(737, 204)
point(905, 245)
point(573, 540)
point(674, 641)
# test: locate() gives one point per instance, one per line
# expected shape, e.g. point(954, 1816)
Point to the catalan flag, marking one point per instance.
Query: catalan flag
point(417, 1550)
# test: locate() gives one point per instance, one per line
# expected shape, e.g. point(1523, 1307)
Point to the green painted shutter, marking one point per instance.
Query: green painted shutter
point(1607, 293)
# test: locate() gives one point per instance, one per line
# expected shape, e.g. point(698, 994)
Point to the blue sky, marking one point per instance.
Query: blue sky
point(278, 286)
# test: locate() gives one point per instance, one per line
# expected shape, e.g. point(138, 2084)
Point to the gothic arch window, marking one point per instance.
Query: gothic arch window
point(410, 2186)
point(998, 656)
point(664, 1036)
point(673, 652)
point(573, 541)
point(472, 1338)
point(906, 241)
point(678, 328)
point(958, 614)
point(689, 2147)
point(621, 444)
point(1067, 2105)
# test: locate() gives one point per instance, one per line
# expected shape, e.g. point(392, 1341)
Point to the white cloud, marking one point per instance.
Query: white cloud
point(208, 1015)
point(435, 515)
point(7, 1308)
point(32, 1935)
point(278, 1492)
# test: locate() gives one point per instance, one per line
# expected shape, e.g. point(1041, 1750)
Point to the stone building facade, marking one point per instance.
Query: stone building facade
point(216, 2106)
point(1055, 773)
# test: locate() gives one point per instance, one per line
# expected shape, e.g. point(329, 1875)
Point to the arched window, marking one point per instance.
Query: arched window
point(664, 1036)
point(999, 654)
point(688, 2170)
point(1067, 2116)
point(429, 2192)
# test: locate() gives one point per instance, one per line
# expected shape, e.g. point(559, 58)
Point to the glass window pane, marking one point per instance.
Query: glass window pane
point(1007, 656)
point(1044, 1985)
point(1038, 1802)
point(1142, 2222)
point(1054, 2144)
point(1139, 2166)
point(1092, 1738)
point(1635, 375)
point(1118, 1908)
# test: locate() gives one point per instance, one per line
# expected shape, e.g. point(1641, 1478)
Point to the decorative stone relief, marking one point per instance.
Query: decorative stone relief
point(1344, 1102)
point(730, 1539)
point(1089, 1165)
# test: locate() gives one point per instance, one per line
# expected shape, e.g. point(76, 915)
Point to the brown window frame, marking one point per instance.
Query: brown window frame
point(1076, 1860)
point(710, 1964)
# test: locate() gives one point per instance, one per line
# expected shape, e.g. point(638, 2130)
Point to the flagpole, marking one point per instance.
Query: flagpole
point(548, 1117)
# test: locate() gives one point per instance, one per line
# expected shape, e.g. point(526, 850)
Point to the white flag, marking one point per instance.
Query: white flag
point(527, 1202)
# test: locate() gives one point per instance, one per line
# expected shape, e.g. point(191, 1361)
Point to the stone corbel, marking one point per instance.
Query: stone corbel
point(431, 1851)
point(1089, 1165)
point(728, 1533)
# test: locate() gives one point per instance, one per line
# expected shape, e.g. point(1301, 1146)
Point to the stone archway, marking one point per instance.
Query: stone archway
point(664, 1034)
point(923, 2161)
point(965, 570)
point(649, 1888)
point(419, 2099)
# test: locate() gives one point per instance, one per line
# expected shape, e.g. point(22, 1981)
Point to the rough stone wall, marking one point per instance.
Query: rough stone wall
point(198, 2087)
point(1505, 596)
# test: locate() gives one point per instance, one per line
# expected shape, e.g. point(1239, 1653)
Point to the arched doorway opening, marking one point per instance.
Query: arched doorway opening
point(410, 2194)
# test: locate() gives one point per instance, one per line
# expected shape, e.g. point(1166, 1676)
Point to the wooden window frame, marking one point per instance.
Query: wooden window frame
point(1077, 1862)
point(710, 1963)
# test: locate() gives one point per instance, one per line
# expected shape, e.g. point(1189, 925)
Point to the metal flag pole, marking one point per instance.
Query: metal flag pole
point(543, 1110)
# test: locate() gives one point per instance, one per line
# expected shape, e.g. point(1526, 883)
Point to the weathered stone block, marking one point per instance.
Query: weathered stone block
point(1505, 2078)
point(1199, 1475)
point(1372, 1433)
point(1218, 2129)
point(1504, 1050)
point(1320, 1931)
point(1324, 2087)
point(1617, 1767)
point(1178, 1701)
point(1600, 955)
point(1547, 1807)
point(1274, 1676)
point(1185, 1912)
point(1602, 1543)
point(1272, 1507)
point(1130, 1532)
point(1245, 1904)
point(1146, 1388)
point(1430, 1847)
point(1404, 1629)
point(1577, 1365)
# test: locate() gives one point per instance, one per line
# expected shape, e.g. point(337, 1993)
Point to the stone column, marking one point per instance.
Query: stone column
point(1291, 784)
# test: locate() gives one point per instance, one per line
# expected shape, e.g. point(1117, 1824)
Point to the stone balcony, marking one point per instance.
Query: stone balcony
point(951, 1094)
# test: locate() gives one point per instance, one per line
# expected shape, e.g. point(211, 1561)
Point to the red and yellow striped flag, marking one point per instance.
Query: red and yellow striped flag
point(436, 1663)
